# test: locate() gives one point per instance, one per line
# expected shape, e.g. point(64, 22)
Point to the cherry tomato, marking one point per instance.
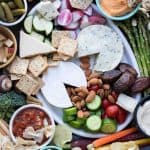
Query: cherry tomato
point(106, 103)
point(122, 115)
point(112, 111)
point(94, 88)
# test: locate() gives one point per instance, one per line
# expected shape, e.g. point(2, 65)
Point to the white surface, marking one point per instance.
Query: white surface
point(128, 57)
point(18, 20)
point(50, 115)
point(54, 89)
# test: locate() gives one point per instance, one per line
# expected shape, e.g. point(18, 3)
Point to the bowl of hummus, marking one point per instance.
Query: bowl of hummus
point(118, 9)
point(142, 115)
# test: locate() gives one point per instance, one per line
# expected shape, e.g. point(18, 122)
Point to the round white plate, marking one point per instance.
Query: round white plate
point(128, 58)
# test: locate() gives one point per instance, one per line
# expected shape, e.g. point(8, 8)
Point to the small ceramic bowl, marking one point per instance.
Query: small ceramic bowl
point(19, 19)
point(8, 33)
point(118, 18)
point(32, 106)
point(142, 102)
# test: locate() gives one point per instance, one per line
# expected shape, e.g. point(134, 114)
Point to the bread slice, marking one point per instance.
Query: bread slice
point(2, 37)
point(67, 46)
point(48, 10)
point(3, 57)
point(37, 65)
point(19, 66)
point(57, 36)
point(27, 84)
point(29, 46)
point(80, 4)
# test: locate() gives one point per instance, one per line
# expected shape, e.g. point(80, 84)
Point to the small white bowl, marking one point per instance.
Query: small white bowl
point(19, 19)
point(32, 106)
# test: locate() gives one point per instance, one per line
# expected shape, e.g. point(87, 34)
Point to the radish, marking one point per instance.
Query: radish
point(65, 17)
point(57, 4)
point(88, 11)
point(77, 15)
point(72, 26)
point(84, 22)
point(96, 20)
point(65, 4)
point(73, 34)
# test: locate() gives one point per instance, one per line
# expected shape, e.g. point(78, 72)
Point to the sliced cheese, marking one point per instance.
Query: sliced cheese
point(29, 46)
point(54, 89)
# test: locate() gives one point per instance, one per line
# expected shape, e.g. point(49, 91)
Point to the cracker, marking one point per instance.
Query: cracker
point(19, 66)
point(67, 46)
point(80, 4)
point(53, 63)
point(8, 43)
point(3, 58)
point(15, 77)
point(37, 65)
point(27, 84)
point(57, 36)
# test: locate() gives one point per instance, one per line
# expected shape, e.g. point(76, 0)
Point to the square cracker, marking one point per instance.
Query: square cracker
point(80, 4)
point(57, 36)
point(27, 84)
point(67, 46)
point(19, 66)
point(37, 65)
point(15, 77)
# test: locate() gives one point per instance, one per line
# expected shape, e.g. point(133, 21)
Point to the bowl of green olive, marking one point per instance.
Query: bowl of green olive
point(12, 12)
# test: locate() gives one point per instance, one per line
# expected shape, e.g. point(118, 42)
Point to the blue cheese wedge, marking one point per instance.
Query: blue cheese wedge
point(48, 10)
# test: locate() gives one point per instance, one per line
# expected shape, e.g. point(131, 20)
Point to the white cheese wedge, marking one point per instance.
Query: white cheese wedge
point(126, 102)
point(29, 46)
point(54, 89)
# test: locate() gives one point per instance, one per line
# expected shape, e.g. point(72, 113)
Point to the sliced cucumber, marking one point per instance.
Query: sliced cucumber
point(38, 24)
point(76, 124)
point(108, 125)
point(48, 25)
point(93, 123)
point(68, 118)
point(70, 111)
point(37, 36)
point(47, 41)
point(28, 24)
point(95, 104)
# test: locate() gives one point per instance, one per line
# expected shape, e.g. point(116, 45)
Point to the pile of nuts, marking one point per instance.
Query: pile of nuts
point(82, 95)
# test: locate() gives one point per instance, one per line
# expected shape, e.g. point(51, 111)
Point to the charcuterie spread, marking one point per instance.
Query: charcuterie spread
point(67, 69)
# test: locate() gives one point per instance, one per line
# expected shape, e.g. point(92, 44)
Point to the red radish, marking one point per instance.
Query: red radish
point(77, 15)
point(112, 111)
point(72, 26)
point(65, 4)
point(88, 11)
point(57, 4)
point(10, 50)
point(73, 34)
point(106, 103)
point(65, 17)
point(121, 117)
point(96, 20)
point(84, 22)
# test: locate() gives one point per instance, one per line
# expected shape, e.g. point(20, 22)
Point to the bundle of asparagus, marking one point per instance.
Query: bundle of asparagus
point(138, 35)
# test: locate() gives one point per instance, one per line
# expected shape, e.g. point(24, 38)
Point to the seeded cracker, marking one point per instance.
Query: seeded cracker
point(80, 4)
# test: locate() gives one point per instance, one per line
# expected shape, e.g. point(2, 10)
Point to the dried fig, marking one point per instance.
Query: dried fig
point(123, 67)
point(124, 83)
point(141, 84)
point(111, 76)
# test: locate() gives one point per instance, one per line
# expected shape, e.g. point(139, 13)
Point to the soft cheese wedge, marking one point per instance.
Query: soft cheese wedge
point(29, 46)
point(54, 89)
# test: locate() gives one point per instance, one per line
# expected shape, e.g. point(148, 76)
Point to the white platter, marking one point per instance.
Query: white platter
point(128, 58)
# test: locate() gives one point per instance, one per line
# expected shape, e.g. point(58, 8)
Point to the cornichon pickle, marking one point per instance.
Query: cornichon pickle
point(8, 13)
point(2, 13)
point(12, 5)
point(19, 3)
point(18, 12)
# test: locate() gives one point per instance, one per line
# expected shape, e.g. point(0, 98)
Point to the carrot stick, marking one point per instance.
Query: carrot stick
point(113, 137)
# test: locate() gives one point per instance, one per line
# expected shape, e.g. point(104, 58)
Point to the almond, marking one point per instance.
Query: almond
point(78, 105)
point(94, 75)
point(76, 98)
point(86, 114)
point(93, 81)
point(82, 94)
point(73, 91)
point(90, 97)
point(111, 99)
point(88, 72)
point(106, 86)
point(101, 93)
point(82, 89)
